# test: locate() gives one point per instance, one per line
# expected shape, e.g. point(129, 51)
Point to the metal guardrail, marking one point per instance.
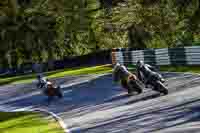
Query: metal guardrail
point(166, 56)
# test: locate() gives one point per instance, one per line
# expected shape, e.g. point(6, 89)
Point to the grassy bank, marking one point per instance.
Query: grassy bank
point(25, 122)
point(56, 74)
point(192, 69)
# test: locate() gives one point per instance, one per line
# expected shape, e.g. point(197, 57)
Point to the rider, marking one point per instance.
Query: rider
point(145, 70)
point(122, 75)
point(50, 89)
point(42, 81)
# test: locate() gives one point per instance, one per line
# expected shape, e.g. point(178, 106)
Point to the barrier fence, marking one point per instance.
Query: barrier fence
point(158, 57)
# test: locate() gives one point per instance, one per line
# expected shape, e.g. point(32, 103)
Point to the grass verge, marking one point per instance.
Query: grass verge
point(192, 69)
point(26, 122)
point(59, 73)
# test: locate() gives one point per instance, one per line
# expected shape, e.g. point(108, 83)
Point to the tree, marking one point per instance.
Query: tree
point(165, 20)
point(29, 35)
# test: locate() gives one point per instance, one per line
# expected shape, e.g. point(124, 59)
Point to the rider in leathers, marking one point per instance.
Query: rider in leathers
point(122, 75)
point(42, 81)
point(48, 87)
point(145, 72)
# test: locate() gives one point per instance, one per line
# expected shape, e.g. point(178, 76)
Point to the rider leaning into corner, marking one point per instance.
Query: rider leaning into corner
point(144, 72)
point(121, 73)
point(49, 88)
point(127, 79)
point(42, 81)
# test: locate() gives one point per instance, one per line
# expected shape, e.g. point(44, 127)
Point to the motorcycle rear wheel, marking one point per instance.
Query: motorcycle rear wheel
point(135, 86)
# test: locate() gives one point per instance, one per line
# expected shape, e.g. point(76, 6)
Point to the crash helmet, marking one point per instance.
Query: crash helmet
point(49, 83)
point(117, 64)
point(139, 64)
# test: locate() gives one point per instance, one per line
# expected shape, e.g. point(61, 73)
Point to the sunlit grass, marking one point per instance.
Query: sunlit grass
point(26, 122)
point(83, 71)
point(192, 69)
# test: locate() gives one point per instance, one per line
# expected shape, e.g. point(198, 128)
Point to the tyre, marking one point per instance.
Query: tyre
point(45, 91)
point(135, 86)
point(130, 92)
point(126, 86)
point(161, 88)
point(60, 95)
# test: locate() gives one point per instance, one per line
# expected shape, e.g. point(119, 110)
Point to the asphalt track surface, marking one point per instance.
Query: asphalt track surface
point(93, 104)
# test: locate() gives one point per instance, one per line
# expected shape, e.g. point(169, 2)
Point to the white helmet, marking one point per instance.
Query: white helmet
point(49, 83)
point(140, 63)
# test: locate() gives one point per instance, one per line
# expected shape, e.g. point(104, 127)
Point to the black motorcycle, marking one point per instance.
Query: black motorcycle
point(157, 83)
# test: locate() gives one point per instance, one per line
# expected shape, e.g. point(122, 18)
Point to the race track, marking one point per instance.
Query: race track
point(93, 104)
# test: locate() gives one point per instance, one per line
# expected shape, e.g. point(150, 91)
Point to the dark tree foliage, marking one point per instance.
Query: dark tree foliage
point(42, 30)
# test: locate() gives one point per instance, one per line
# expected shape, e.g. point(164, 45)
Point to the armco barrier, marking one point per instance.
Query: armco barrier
point(160, 57)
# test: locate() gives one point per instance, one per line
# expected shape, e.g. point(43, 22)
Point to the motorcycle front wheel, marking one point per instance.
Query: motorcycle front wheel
point(161, 88)
point(135, 86)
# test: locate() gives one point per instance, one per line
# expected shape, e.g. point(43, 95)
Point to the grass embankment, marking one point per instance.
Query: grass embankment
point(192, 69)
point(58, 73)
point(26, 122)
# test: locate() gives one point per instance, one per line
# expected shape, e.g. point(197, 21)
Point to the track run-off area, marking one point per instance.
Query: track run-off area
point(94, 104)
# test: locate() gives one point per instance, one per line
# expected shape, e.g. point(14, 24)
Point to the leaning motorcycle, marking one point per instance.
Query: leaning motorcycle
point(132, 85)
point(51, 90)
point(156, 82)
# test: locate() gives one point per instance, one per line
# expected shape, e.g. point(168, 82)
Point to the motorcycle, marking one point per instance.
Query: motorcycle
point(41, 82)
point(50, 89)
point(132, 85)
point(156, 82)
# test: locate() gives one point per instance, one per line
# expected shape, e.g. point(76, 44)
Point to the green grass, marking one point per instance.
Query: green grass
point(82, 71)
point(26, 122)
point(55, 74)
point(192, 69)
